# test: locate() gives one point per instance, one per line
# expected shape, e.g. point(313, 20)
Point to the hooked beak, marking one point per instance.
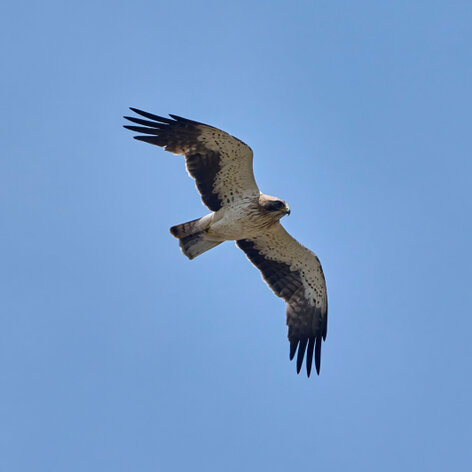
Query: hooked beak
point(287, 211)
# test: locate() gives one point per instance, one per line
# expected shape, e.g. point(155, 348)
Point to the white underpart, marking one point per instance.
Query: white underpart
point(234, 221)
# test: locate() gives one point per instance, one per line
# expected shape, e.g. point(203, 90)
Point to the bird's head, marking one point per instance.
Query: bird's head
point(274, 206)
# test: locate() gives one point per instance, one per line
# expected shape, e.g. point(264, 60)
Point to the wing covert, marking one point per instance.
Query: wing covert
point(220, 163)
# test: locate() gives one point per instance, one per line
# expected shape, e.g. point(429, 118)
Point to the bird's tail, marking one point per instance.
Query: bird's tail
point(193, 237)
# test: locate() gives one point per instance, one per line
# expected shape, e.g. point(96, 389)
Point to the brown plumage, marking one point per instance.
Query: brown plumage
point(222, 168)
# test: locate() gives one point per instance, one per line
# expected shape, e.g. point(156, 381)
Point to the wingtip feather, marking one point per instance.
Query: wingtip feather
point(293, 349)
point(309, 355)
point(142, 129)
point(318, 354)
point(146, 139)
point(301, 353)
point(151, 116)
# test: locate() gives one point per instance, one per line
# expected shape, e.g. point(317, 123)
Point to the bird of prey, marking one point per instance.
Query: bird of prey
point(222, 168)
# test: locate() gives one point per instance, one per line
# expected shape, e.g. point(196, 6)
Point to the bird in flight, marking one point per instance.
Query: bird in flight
point(222, 168)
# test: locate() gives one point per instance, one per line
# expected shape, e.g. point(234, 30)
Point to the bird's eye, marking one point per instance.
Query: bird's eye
point(277, 205)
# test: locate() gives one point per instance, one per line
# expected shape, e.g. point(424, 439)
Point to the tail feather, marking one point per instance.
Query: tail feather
point(192, 237)
point(196, 244)
point(186, 229)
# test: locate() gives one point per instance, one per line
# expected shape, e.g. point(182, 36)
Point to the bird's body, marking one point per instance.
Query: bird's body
point(222, 168)
point(242, 219)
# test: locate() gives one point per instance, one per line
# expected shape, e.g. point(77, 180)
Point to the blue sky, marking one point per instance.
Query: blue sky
point(117, 353)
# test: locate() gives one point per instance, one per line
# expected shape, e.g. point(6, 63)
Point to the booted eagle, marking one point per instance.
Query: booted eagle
point(222, 168)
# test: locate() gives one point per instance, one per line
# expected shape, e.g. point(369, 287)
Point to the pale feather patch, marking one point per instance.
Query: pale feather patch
point(277, 245)
point(235, 179)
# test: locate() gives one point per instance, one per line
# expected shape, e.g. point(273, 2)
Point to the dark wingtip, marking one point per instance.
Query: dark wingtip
point(310, 345)
point(309, 355)
point(301, 353)
point(177, 117)
point(151, 116)
point(142, 129)
point(293, 349)
point(185, 120)
point(318, 354)
point(140, 121)
point(325, 324)
point(146, 139)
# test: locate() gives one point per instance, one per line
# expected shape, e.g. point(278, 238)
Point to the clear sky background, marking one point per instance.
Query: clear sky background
point(119, 354)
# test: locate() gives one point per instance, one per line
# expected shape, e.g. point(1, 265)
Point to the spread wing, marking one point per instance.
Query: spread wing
point(294, 273)
point(220, 163)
